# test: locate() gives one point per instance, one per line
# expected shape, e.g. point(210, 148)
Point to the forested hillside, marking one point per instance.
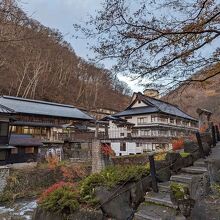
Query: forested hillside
point(198, 95)
point(36, 62)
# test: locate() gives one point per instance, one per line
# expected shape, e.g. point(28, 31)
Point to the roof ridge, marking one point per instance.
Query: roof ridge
point(37, 101)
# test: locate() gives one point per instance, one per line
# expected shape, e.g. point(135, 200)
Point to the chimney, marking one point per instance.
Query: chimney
point(152, 93)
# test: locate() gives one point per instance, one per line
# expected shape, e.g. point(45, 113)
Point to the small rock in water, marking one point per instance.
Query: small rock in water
point(20, 210)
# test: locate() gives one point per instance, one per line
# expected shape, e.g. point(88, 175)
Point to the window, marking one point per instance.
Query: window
point(29, 150)
point(122, 146)
point(172, 121)
point(135, 133)
point(128, 117)
point(122, 134)
point(14, 151)
point(142, 120)
point(153, 119)
point(4, 129)
point(154, 132)
point(163, 133)
point(145, 133)
point(162, 119)
point(173, 133)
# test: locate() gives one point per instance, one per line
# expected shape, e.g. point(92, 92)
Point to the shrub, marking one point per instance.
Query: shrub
point(111, 177)
point(216, 188)
point(184, 154)
point(160, 156)
point(60, 198)
point(178, 144)
point(179, 191)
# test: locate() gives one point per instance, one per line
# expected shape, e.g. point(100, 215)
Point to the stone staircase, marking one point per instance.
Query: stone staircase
point(158, 206)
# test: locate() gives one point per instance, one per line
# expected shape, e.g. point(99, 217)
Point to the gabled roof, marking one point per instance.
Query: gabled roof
point(36, 107)
point(153, 106)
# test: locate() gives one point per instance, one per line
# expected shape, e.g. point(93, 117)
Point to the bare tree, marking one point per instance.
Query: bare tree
point(164, 41)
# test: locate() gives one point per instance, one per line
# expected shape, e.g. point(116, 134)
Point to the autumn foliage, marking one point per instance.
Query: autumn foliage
point(177, 144)
point(52, 188)
point(107, 150)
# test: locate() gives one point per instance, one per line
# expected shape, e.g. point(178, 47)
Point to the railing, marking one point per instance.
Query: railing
point(215, 138)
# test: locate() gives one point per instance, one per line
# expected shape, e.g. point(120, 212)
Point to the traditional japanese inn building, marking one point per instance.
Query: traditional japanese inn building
point(148, 124)
point(26, 125)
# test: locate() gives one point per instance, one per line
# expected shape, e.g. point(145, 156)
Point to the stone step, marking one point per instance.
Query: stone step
point(182, 178)
point(161, 198)
point(200, 163)
point(150, 211)
point(164, 187)
point(194, 170)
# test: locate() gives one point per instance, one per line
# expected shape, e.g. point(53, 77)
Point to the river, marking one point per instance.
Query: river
point(19, 210)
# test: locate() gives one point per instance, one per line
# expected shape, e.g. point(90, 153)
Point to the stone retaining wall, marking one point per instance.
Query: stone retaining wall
point(4, 174)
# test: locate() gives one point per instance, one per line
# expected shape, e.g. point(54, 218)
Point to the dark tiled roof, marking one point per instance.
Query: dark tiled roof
point(24, 140)
point(153, 106)
point(137, 111)
point(168, 108)
point(28, 106)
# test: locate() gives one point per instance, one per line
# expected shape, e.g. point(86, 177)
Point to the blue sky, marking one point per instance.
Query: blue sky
point(61, 14)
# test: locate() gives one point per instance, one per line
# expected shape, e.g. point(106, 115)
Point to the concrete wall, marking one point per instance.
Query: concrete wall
point(4, 174)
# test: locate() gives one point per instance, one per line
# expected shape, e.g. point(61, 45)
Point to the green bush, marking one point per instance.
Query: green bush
point(184, 154)
point(62, 200)
point(111, 177)
point(180, 191)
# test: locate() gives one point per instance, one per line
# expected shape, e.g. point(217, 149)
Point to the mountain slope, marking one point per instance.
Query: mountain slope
point(36, 62)
point(198, 95)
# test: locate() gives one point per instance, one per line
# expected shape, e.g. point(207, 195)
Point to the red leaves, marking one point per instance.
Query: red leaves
point(107, 150)
point(178, 144)
point(54, 187)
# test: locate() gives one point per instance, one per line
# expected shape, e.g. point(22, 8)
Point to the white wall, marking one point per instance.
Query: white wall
point(137, 104)
point(130, 148)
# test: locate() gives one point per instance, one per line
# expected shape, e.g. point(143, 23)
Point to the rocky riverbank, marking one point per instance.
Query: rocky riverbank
point(19, 210)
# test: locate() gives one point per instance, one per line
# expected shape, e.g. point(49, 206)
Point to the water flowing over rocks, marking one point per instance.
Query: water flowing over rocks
point(20, 210)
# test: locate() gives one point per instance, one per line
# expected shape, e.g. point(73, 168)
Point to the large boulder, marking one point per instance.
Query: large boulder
point(172, 157)
point(162, 170)
point(206, 138)
point(177, 165)
point(187, 161)
point(137, 193)
point(206, 209)
point(117, 206)
point(146, 183)
point(159, 164)
point(163, 175)
point(214, 169)
point(85, 214)
point(41, 214)
point(190, 146)
point(206, 148)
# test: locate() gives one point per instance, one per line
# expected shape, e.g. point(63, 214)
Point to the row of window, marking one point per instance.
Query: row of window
point(148, 132)
point(146, 146)
point(29, 130)
point(145, 120)
point(27, 150)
